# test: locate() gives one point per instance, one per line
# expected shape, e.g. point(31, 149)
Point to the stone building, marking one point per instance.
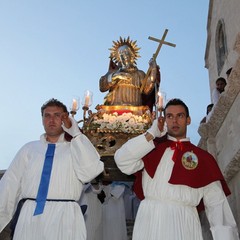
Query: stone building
point(220, 135)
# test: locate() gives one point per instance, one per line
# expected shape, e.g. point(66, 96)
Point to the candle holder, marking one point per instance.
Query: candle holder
point(86, 102)
point(85, 109)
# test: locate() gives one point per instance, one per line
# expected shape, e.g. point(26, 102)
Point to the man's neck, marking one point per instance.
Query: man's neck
point(178, 138)
point(52, 139)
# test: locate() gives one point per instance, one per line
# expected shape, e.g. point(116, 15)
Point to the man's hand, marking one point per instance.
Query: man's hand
point(161, 122)
point(73, 130)
point(66, 120)
point(157, 129)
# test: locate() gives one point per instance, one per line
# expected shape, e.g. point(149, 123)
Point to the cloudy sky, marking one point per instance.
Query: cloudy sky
point(60, 48)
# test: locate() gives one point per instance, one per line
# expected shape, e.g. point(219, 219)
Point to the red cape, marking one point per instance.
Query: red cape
point(206, 172)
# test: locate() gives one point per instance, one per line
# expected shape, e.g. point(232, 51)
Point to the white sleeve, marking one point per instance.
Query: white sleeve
point(10, 188)
point(129, 156)
point(215, 96)
point(86, 160)
point(219, 214)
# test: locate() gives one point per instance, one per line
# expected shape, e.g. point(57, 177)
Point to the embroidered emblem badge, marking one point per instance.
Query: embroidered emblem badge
point(189, 160)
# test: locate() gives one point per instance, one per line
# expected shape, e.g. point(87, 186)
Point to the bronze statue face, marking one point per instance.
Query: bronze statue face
point(125, 55)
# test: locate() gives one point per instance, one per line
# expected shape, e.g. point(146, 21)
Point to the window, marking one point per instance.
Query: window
point(221, 45)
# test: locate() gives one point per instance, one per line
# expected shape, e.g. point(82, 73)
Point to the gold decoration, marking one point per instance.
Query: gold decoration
point(121, 42)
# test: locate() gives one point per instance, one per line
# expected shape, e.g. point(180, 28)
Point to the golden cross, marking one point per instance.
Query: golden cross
point(161, 42)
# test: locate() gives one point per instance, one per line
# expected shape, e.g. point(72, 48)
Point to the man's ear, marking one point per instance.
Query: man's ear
point(188, 120)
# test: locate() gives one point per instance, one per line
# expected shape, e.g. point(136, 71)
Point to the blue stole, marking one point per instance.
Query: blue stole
point(45, 178)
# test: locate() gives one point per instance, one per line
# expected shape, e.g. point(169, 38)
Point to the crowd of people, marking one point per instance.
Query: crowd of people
point(110, 207)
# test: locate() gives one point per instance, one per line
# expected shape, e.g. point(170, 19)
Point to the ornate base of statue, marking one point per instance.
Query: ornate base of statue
point(109, 128)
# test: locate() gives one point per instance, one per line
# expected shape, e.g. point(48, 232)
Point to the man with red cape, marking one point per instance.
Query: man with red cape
point(175, 179)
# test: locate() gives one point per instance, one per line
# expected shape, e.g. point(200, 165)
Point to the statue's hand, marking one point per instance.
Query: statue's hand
point(112, 66)
point(152, 63)
point(119, 76)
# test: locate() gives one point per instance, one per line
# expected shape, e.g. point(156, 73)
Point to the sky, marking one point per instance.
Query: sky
point(60, 48)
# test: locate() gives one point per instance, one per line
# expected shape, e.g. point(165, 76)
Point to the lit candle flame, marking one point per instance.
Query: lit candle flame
point(74, 105)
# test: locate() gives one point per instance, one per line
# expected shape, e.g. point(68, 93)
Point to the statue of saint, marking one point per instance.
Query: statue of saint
point(124, 80)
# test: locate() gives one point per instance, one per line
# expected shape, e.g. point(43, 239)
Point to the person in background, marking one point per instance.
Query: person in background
point(228, 72)
point(220, 87)
point(174, 179)
point(53, 214)
point(209, 109)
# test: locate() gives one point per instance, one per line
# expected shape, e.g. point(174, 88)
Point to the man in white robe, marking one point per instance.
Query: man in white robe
point(173, 177)
point(94, 214)
point(114, 219)
point(75, 162)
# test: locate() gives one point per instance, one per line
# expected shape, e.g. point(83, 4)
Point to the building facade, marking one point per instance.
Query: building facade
point(220, 135)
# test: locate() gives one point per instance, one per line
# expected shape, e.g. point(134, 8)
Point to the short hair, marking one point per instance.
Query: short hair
point(228, 71)
point(174, 102)
point(221, 79)
point(209, 106)
point(53, 102)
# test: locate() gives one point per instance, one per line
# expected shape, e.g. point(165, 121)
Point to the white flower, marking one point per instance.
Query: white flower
point(126, 122)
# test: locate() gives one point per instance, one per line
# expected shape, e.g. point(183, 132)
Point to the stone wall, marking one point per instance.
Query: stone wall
point(220, 135)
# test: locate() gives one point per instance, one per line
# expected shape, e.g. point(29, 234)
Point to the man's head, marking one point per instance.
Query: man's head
point(53, 103)
point(177, 118)
point(221, 84)
point(209, 108)
point(53, 112)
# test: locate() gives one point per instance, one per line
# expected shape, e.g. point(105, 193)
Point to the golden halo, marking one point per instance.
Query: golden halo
point(121, 42)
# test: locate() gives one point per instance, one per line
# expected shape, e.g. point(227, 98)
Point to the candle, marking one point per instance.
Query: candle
point(74, 105)
point(87, 100)
point(160, 101)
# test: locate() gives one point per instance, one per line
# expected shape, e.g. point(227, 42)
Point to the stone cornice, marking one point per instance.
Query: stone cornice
point(232, 168)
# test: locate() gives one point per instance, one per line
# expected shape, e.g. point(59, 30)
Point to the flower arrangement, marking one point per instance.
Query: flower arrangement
point(126, 122)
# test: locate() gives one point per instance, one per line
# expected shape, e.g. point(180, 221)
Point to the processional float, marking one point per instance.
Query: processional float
point(112, 125)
